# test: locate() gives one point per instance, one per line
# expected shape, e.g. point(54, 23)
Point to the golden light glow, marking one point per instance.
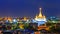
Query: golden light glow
point(40, 16)
point(5, 18)
point(37, 32)
point(25, 18)
point(21, 26)
point(10, 19)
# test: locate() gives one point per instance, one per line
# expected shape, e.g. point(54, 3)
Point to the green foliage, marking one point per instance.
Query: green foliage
point(55, 29)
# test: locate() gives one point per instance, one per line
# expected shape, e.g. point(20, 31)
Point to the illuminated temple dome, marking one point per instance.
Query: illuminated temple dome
point(40, 19)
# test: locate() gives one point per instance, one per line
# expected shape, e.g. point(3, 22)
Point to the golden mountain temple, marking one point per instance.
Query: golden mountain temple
point(40, 17)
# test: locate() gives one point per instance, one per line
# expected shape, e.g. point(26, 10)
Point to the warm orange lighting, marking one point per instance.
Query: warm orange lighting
point(25, 18)
point(10, 19)
point(37, 32)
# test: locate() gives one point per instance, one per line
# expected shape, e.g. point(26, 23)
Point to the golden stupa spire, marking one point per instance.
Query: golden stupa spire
point(40, 14)
point(40, 17)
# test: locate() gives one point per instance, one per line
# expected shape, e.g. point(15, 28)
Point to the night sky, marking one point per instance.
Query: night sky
point(29, 8)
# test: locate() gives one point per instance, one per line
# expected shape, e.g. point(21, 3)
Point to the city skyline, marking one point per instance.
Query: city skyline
point(29, 8)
